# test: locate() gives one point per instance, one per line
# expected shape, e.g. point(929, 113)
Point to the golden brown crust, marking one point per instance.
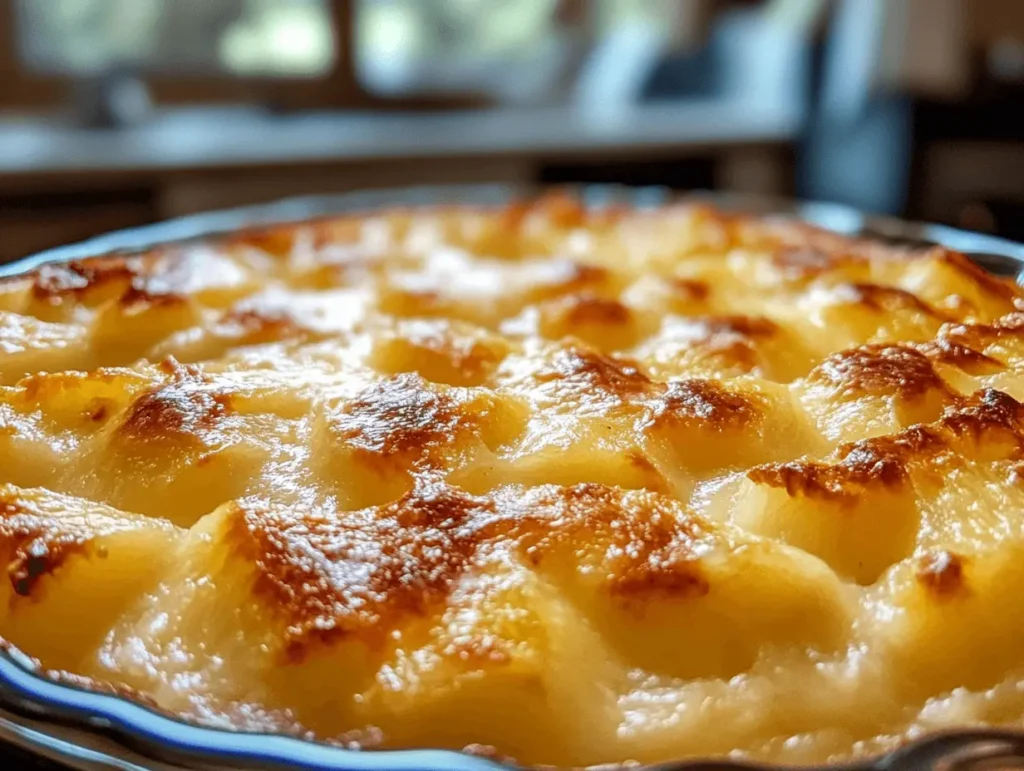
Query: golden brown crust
point(861, 469)
point(332, 574)
point(708, 404)
point(396, 416)
point(500, 476)
point(942, 575)
point(591, 309)
point(39, 533)
point(36, 547)
point(750, 327)
point(442, 352)
point(594, 378)
point(256, 325)
point(57, 283)
point(379, 563)
point(878, 370)
point(1008, 327)
point(976, 275)
point(946, 350)
point(805, 261)
point(728, 343)
point(691, 289)
point(990, 417)
point(888, 299)
point(183, 407)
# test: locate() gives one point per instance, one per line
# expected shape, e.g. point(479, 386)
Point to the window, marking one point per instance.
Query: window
point(509, 49)
point(495, 46)
point(290, 52)
point(304, 53)
point(614, 14)
point(251, 38)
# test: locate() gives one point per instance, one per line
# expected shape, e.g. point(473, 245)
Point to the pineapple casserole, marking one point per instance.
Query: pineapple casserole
point(559, 485)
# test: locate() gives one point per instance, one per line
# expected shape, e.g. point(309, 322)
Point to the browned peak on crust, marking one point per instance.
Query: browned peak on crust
point(986, 412)
point(946, 350)
point(736, 338)
point(186, 405)
point(399, 415)
point(656, 543)
point(878, 370)
point(889, 299)
point(805, 261)
point(139, 298)
point(441, 351)
point(861, 469)
point(44, 386)
point(706, 403)
point(989, 417)
point(135, 281)
point(335, 574)
point(1010, 326)
point(975, 274)
point(588, 308)
point(576, 276)
point(751, 327)
point(39, 530)
point(604, 323)
point(57, 282)
point(941, 573)
point(365, 572)
point(967, 346)
point(690, 289)
point(596, 377)
point(262, 325)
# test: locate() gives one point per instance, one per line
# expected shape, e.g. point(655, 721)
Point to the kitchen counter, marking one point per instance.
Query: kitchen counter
point(204, 139)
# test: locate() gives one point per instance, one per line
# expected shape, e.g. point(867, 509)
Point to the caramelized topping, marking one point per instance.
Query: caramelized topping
point(989, 418)
point(878, 371)
point(336, 574)
point(706, 403)
point(567, 485)
point(396, 416)
point(183, 407)
point(593, 378)
point(39, 531)
point(942, 574)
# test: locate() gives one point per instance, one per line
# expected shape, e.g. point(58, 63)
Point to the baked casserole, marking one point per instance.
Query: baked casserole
point(559, 485)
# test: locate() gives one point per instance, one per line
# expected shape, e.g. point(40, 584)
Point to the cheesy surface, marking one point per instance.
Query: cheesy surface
point(565, 486)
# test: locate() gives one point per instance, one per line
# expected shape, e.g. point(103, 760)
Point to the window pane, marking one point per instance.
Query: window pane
point(516, 49)
point(408, 45)
point(290, 38)
point(614, 14)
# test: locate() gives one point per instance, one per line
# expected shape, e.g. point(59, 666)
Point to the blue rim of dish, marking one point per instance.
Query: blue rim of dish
point(28, 695)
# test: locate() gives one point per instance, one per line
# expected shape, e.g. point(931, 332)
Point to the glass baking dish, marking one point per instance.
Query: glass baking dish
point(88, 730)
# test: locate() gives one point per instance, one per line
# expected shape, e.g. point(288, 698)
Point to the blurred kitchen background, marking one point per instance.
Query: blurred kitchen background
point(115, 113)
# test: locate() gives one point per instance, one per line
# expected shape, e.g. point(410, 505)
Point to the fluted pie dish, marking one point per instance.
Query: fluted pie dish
point(541, 482)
